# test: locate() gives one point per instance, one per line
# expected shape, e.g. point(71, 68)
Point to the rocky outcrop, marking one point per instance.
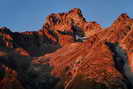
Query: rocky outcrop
point(31, 75)
point(32, 43)
point(69, 52)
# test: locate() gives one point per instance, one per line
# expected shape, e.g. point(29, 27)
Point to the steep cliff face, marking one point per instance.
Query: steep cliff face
point(34, 43)
point(57, 31)
point(69, 52)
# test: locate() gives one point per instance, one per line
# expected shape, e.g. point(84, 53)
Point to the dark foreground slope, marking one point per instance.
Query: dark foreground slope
point(68, 52)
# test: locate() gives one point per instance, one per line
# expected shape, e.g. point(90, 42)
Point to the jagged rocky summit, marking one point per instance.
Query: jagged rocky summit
point(68, 52)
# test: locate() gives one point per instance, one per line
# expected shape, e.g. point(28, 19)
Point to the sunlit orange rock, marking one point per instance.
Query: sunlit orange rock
point(76, 50)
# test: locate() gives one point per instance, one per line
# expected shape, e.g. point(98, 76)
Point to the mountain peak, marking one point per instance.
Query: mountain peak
point(73, 16)
point(69, 53)
point(123, 16)
point(5, 30)
point(76, 11)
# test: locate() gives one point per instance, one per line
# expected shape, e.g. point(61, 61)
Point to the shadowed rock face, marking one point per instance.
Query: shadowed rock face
point(68, 52)
point(31, 75)
point(121, 62)
point(33, 43)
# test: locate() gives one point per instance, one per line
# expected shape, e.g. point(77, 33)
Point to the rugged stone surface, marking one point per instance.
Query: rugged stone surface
point(68, 52)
